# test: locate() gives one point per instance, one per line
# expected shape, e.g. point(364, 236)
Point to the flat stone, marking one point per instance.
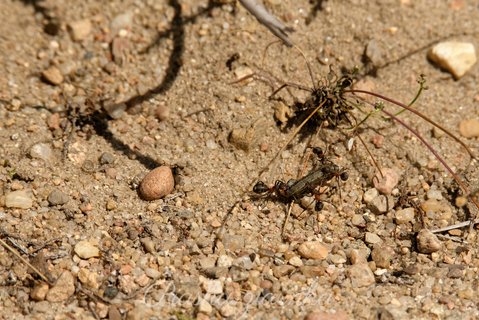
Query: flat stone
point(213, 286)
point(21, 199)
point(455, 57)
point(41, 151)
point(370, 195)
point(313, 250)
point(86, 250)
point(52, 75)
point(372, 238)
point(57, 197)
point(361, 275)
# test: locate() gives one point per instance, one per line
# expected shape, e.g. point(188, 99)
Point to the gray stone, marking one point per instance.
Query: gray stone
point(57, 197)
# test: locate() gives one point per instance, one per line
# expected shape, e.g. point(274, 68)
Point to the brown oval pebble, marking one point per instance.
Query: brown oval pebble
point(157, 183)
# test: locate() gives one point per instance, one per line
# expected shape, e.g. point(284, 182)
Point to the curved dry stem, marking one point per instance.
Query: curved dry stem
point(419, 114)
point(456, 178)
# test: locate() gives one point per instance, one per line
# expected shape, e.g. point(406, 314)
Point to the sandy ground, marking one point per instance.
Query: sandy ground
point(94, 94)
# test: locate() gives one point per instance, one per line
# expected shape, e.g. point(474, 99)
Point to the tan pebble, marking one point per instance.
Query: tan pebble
point(455, 57)
point(52, 75)
point(427, 242)
point(157, 183)
point(110, 205)
point(313, 250)
point(461, 201)
point(162, 112)
point(386, 182)
point(80, 29)
point(469, 128)
point(86, 250)
point(39, 291)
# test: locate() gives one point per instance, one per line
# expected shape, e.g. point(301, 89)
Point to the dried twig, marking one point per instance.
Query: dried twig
point(268, 20)
point(456, 226)
point(12, 250)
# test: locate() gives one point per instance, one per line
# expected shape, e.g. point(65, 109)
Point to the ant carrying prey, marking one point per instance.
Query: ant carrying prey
point(310, 184)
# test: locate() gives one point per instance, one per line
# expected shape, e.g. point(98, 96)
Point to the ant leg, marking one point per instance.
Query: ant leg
point(289, 84)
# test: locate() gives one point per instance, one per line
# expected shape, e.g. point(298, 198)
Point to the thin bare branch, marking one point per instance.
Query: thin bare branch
point(268, 20)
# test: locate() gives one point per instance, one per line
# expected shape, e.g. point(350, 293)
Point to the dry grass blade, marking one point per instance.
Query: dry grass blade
point(12, 250)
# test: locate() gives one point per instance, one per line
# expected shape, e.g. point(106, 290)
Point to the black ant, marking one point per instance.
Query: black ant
point(295, 189)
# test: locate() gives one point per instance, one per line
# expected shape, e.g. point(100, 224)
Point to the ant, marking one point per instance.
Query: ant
point(295, 189)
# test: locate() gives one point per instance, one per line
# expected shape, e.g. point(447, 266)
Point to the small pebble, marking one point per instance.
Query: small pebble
point(63, 289)
point(382, 256)
point(243, 71)
point(361, 275)
point(357, 256)
point(21, 199)
point(427, 242)
point(372, 238)
point(455, 57)
point(148, 245)
point(157, 183)
point(162, 112)
point(312, 271)
point(41, 151)
point(313, 250)
point(469, 128)
point(121, 21)
point(295, 261)
point(385, 184)
point(358, 221)
point(461, 201)
point(213, 286)
point(204, 306)
point(434, 194)
point(370, 195)
point(52, 75)
point(86, 250)
point(80, 29)
point(57, 197)
point(374, 53)
point(282, 270)
point(242, 138)
point(404, 215)
point(224, 261)
point(381, 204)
point(107, 158)
point(39, 291)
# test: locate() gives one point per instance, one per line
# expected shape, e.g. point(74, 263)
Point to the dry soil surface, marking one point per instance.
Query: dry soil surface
point(95, 94)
